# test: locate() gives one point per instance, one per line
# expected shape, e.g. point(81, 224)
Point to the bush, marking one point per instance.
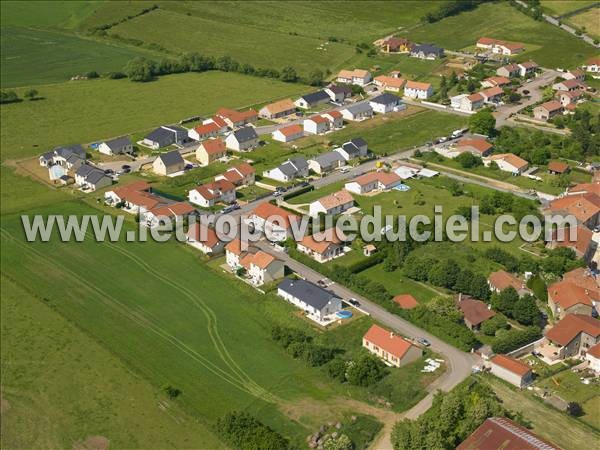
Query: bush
point(468, 160)
point(9, 97)
point(498, 322)
point(301, 346)
point(244, 432)
point(514, 339)
point(366, 370)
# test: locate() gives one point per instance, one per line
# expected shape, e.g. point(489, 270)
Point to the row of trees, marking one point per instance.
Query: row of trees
point(141, 69)
point(523, 309)
point(301, 346)
point(450, 9)
point(13, 97)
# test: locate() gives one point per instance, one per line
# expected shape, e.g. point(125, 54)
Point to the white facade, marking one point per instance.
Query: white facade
point(594, 363)
point(332, 307)
point(418, 92)
point(312, 127)
point(279, 136)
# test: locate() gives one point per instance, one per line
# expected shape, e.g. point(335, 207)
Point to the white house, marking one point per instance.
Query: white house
point(357, 76)
point(116, 146)
point(338, 93)
point(386, 102)
point(326, 162)
point(355, 148)
point(262, 268)
point(275, 222)
point(289, 170)
point(527, 68)
point(316, 125)
point(512, 370)
point(593, 357)
point(204, 238)
point(358, 111)
point(242, 139)
point(207, 195)
point(467, 102)
point(288, 134)
point(336, 120)
point(91, 178)
point(205, 131)
point(508, 162)
point(593, 65)
point(373, 181)
point(323, 246)
point(391, 348)
point(313, 99)
point(416, 89)
point(332, 204)
point(242, 174)
point(168, 163)
point(319, 304)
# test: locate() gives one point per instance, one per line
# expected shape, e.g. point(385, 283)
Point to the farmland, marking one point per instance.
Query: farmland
point(86, 111)
point(588, 20)
point(548, 45)
point(561, 7)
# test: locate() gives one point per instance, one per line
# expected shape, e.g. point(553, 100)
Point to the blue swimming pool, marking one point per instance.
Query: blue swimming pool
point(344, 314)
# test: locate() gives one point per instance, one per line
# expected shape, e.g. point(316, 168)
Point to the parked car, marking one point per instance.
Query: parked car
point(277, 194)
point(423, 341)
point(353, 302)
point(109, 171)
point(125, 167)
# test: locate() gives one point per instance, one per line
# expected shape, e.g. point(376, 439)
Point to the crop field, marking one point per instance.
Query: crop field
point(560, 7)
point(32, 57)
point(40, 410)
point(86, 111)
point(552, 46)
point(46, 14)
point(590, 20)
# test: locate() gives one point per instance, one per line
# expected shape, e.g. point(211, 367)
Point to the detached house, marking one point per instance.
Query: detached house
point(289, 170)
point(311, 100)
point(173, 211)
point(316, 124)
point(338, 93)
point(288, 134)
point(319, 304)
point(567, 297)
point(500, 47)
point(396, 45)
point(492, 95)
point(168, 163)
point(243, 139)
point(116, 146)
point(275, 222)
point(585, 207)
point(385, 103)
point(569, 85)
point(426, 51)
point(508, 162)
point(62, 155)
point(527, 68)
point(207, 195)
point(322, 247)
point(336, 120)
point(475, 312)
point(132, 197)
point(205, 131)
point(373, 181)
point(574, 75)
point(477, 146)
point(512, 370)
point(326, 162)
point(548, 110)
point(357, 76)
point(278, 109)
point(262, 268)
point(394, 350)
point(210, 151)
point(495, 81)
point(235, 119)
point(91, 178)
point(572, 337)
point(567, 98)
point(240, 175)
point(204, 238)
point(592, 65)
point(355, 148)
point(388, 83)
point(358, 111)
point(467, 102)
point(500, 280)
point(164, 136)
point(509, 71)
point(332, 204)
point(416, 89)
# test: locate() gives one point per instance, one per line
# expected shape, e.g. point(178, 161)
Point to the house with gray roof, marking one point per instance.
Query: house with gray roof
point(90, 178)
point(61, 154)
point(326, 162)
point(242, 139)
point(355, 148)
point(289, 170)
point(164, 136)
point(319, 304)
point(386, 102)
point(168, 163)
point(338, 93)
point(358, 111)
point(313, 99)
point(116, 146)
point(426, 51)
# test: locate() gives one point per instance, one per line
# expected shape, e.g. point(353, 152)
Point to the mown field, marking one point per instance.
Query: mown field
point(46, 14)
point(588, 20)
point(41, 350)
point(86, 111)
point(560, 7)
point(544, 43)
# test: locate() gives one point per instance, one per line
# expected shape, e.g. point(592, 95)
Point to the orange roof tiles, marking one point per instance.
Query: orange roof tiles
point(570, 326)
point(388, 341)
point(582, 206)
point(475, 311)
point(385, 178)
point(336, 199)
point(511, 159)
point(202, 233)
point(417, 85)
point(291, 130)
point(567, 294)
point(558, 166)
point(281, 106)
point(511, 364)
point(213, 146)
point(320, 242)
point(481, 145)
point(502, 280)
point(267, 210)
point(594, 351)
point(209, 128)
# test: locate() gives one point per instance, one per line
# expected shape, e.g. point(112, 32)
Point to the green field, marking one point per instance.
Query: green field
point(588, 20)
point(32, 57)
point(46, 14)
point(87, 111)
point(548, 45)
point(560, 7)
point(43, 411)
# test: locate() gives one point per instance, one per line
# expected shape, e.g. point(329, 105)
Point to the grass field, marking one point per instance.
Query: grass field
point(546, 421)
point(590, 20)
point(33, 57)
point(560, 7)
point(552, 47)
point(398, 284)
point(101, 394)
point(46, 14)
point(87, 111)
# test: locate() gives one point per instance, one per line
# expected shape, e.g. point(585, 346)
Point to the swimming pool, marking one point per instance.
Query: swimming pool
point(344, 314)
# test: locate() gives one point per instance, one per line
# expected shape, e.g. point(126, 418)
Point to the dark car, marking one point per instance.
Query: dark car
point(109, 171)
point(304, 184)
point(354, 302)
point(125, 167)
point(126, 170)
point(188, 167)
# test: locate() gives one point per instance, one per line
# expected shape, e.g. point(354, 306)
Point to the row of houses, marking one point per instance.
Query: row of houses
point(568, 94)
point(512, 70)
point(472, 102)
point(395, 44)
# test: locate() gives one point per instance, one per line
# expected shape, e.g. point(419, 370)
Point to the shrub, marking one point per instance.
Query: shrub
point(366, 370)
point(244, 432)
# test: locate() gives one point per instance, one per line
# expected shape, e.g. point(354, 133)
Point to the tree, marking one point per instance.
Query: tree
point(316, 78)
point(490, 326)
point(574, 409)
point(505, 300)
point(31, 94)
point(244, 432)
point(342, 442)
point(288, 74)
point(366, 370)
point(468, 160)
point(525, 310)
point(444, 273)
point(337, 369)
point(482, 122)
point(172, 392)
point(140, 69)
point(8, 97)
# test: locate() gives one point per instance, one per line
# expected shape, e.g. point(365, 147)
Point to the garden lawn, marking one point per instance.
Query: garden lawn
point(35, 57)
point(570, 387)
point(88, 111)
point(546, 44)
point(41, 350)
point(398, 284)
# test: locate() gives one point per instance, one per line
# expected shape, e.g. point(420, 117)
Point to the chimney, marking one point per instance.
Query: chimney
point(391, 334)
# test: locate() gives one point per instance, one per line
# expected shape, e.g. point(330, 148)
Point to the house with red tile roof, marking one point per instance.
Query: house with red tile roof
point(242, 174)
point(405, 301)
point(133, 197)
point(581, 241)
point(575, 74)
point(209, 194)
point(204, 131)
point(387, 83)
point(478, 146)
point(210, 150)
point(527, 68)
point(288, 134)
point(175, 212)
point(359, 77)
point(272, 220)
point(278, 109)
point(336, 119)
point(585, 207)
point(567, 297)
point(592, 65)
point(569, 85)
point(500, 433)
point(323, 246)
point(373, 181)
point(204, 238)
point(418, 89)
point(558, 168)
point(262, 267)
point(475, 312)
point(495, 81)
point(566, 98)
point(548, 110)
point(512, 370)
point(395, 45)
point(235, 119)
point(508, 162)
point(317, 124)
point(499, 46)
point(467, 102)
point(394, 350)
point(509, 71)
point(492, 95)
point(574, 335)
point(500, 280)
point(592, 356)
point(332, 204)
